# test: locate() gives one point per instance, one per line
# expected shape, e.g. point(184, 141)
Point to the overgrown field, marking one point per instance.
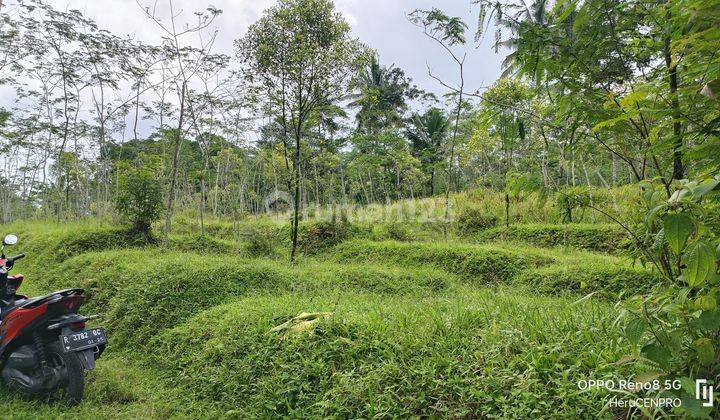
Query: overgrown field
point(493, 324)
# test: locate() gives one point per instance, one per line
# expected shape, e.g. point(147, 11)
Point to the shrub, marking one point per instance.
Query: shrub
point(316, 236)
point(472, 220)
point(259, 243)
point(398, 232)
point(139, 195)
point(677, 325)
point(579, 198)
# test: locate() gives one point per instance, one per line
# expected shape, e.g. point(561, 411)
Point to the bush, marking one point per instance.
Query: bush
point(579, 198)
point(398, 232)
point(96, 240)
point(258, 243)
point(478, 264)
point(472, 220)
point(598, 237)
point(676, 326)
point(139, 195)
point(317, 236)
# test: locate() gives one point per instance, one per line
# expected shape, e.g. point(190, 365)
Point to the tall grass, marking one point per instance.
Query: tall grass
point(477, 354)
point(418, 329)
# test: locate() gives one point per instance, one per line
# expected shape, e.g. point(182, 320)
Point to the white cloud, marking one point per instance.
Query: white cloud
point(382, 24)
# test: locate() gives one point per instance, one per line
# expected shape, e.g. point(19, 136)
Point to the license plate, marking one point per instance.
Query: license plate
point(83, 340)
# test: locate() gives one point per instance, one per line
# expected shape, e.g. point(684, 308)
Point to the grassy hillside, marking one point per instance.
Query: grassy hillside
point(484, 325)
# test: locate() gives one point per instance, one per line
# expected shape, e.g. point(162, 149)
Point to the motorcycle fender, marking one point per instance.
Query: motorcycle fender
point(87, 359)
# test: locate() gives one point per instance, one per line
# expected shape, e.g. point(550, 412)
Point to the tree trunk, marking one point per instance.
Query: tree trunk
point(451, 163)
point(678, 169)
point(296, 209)
point(202, 204)
point(432, 181)
point(173, 171)
point(137, 110)
point(507, 210)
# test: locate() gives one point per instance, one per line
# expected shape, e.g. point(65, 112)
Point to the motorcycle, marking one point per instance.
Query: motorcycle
point(45, 347)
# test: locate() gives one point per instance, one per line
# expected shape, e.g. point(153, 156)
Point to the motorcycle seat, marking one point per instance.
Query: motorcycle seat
point(7, 306)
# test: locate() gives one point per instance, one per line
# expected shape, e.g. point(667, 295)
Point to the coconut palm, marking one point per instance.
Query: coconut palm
point(382, 95)
point(428, 134)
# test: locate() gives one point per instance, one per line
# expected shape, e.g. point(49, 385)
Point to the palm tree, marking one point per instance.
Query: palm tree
point(382, 96)
point(427, 134)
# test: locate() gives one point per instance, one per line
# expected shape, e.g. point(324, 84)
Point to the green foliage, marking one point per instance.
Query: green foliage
point(428, 136)
point(472, 220)
point(97, 240)
point(477, 264)
point(258, 243)
point(598, 237)
point(314, 237)
point(146, 291)
point(398, 232)
point(448, 29)
point(301, 55)
point(496, 352)
point(139, 195)
point(576, 198)
point(382, 95)
point(676, 326)
point(608, 280)
point(202, 244)
point(520, 185)
point(404, 315)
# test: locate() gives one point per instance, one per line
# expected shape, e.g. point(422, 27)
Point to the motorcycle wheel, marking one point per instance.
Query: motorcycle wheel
point(73, 385)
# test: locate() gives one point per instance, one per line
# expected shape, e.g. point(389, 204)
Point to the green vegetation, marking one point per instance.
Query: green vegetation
point(603, 277)
point(599, 237)
point(480, 264)
point(485, 351)
point(139, 195)
point(677, 325)
point(338, 242)
point(406, 316)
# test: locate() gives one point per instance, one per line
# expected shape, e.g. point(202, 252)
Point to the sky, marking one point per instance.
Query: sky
point(380, 24)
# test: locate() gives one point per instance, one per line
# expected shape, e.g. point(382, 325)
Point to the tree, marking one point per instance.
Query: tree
point(188, 62)
point(628, 74)
point(499, 118)
point(298, 54)
point(447, 32)
point(139, 196)
point(383, 95)
point(428, 135)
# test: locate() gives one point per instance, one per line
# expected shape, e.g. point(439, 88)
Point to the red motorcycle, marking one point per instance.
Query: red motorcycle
point(44, 345)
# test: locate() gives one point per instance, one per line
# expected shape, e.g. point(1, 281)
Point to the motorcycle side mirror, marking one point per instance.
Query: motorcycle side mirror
point(10, 240)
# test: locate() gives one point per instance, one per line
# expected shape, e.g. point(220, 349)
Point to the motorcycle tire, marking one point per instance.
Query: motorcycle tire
point(73, 385)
